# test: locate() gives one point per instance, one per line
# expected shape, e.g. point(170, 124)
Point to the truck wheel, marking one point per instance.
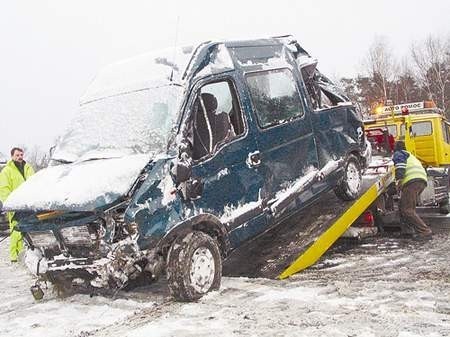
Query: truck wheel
point(194, 266)
point(444, 207)
point(349, 186)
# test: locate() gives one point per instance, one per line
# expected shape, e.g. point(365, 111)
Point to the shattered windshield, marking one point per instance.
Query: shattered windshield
point(136, 122)
point(129, 108)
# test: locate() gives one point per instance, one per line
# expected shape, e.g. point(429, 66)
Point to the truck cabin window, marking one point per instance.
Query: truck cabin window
point(275, 97)
point(217, 118)
point(419, 129)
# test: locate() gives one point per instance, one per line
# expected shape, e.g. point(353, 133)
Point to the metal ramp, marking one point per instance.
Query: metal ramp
point(301, 240)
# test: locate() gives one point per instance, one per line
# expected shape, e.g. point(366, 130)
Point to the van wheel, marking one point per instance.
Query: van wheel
point(349, 186)
point(194, 266)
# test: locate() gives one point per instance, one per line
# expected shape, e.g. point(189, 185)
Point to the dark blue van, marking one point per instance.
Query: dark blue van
point(201, 150)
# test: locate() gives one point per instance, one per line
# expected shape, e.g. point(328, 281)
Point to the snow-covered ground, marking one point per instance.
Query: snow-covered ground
point(385, 287)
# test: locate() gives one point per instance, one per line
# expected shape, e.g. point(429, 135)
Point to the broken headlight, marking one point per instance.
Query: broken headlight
point(43, 239)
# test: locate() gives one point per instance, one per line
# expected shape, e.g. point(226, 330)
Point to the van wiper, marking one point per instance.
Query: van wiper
point(62, 161)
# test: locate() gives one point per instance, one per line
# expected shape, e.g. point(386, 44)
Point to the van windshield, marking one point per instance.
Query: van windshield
point(123, 124)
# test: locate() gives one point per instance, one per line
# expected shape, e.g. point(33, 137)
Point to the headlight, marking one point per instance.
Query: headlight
point(76, 235)
point(43, 239)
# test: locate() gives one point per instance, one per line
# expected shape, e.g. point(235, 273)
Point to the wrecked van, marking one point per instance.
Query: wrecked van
point(177, 158)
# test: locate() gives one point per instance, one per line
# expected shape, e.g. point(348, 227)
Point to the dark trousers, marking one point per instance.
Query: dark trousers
point(408, 202)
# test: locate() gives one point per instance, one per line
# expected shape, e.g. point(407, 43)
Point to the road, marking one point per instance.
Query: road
point(383, 287)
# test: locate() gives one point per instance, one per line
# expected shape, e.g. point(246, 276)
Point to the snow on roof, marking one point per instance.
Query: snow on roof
point(148, 70)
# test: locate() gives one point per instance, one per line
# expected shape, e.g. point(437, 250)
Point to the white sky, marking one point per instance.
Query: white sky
point(51, 49)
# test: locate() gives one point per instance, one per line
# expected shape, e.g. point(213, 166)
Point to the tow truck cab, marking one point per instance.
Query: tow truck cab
point(430, 130)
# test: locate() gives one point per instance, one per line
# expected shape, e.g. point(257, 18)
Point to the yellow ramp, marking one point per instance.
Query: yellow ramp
point(324, 242)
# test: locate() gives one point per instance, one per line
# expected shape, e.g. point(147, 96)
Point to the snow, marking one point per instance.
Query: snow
point(141, 71)
point(231, 212)
point(221, 61)
point(78, 186)
point(387, 287)
point(167, 188)
point(133, 122)
point(304, 181)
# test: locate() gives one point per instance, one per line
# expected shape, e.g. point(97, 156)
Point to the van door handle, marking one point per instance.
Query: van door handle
point(254, 159)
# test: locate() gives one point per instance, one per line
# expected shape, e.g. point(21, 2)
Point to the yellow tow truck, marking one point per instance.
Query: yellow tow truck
point(429, 131)
point(426, 133)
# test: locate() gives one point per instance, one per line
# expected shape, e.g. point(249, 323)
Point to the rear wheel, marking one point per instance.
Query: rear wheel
point(194, 266)
point(349, 186)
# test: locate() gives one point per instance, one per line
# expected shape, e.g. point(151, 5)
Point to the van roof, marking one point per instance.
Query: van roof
point(168, 66)
point(147, 70)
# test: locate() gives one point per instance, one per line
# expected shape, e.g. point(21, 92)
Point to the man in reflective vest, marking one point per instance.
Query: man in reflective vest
point(411, 178)
point(12, 176)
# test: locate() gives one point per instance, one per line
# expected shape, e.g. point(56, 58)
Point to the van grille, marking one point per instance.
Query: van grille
point(76, 235)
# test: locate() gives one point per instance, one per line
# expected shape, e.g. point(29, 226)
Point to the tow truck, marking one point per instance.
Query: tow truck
point(427, 137)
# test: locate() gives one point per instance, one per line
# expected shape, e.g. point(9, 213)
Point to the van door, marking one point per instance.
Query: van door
point(221, 141)
point(285, 137)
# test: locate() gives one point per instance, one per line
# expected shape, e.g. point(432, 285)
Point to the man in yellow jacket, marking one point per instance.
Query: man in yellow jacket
point(411, 177)
point(12, 176)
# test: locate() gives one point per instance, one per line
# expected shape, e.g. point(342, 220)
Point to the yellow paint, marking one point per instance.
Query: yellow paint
point(324, 242)
point(433, 148)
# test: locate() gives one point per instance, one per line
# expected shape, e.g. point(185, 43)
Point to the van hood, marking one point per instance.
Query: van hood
point(79, 186)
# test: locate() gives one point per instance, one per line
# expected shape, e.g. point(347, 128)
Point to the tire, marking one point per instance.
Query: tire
point(349, 186)
point(444, 207)
point(194, 266)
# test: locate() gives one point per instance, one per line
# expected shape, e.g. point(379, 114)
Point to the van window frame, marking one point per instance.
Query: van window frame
point(190, 105)
point(297, 88)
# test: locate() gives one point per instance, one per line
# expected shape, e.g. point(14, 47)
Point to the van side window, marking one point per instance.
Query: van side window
point(217, 118)
point(275, 96)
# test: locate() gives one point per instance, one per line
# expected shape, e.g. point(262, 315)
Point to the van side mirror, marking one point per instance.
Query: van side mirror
point(182, 171)
point(194, 189)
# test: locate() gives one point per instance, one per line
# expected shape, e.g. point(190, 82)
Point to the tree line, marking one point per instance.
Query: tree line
point(423, 74)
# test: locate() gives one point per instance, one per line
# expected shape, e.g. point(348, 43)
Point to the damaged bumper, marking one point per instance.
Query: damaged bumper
point(93, 251)
point(124, 264)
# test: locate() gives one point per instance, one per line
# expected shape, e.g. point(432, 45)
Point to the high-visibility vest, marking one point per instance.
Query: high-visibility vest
point(414, 170)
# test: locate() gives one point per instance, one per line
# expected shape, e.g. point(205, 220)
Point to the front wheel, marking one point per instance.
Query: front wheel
point(194, 266)
point(349, 186)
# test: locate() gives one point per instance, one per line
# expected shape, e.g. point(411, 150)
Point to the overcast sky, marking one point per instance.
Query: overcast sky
point(51, 50)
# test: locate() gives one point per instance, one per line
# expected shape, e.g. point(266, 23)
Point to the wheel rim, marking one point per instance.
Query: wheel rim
point(202, 269)
point(353, 178)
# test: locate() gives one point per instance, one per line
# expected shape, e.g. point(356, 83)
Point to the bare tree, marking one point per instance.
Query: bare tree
point(431, 58)
point(36, 157)
point(405, 86)
point(380, 66)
